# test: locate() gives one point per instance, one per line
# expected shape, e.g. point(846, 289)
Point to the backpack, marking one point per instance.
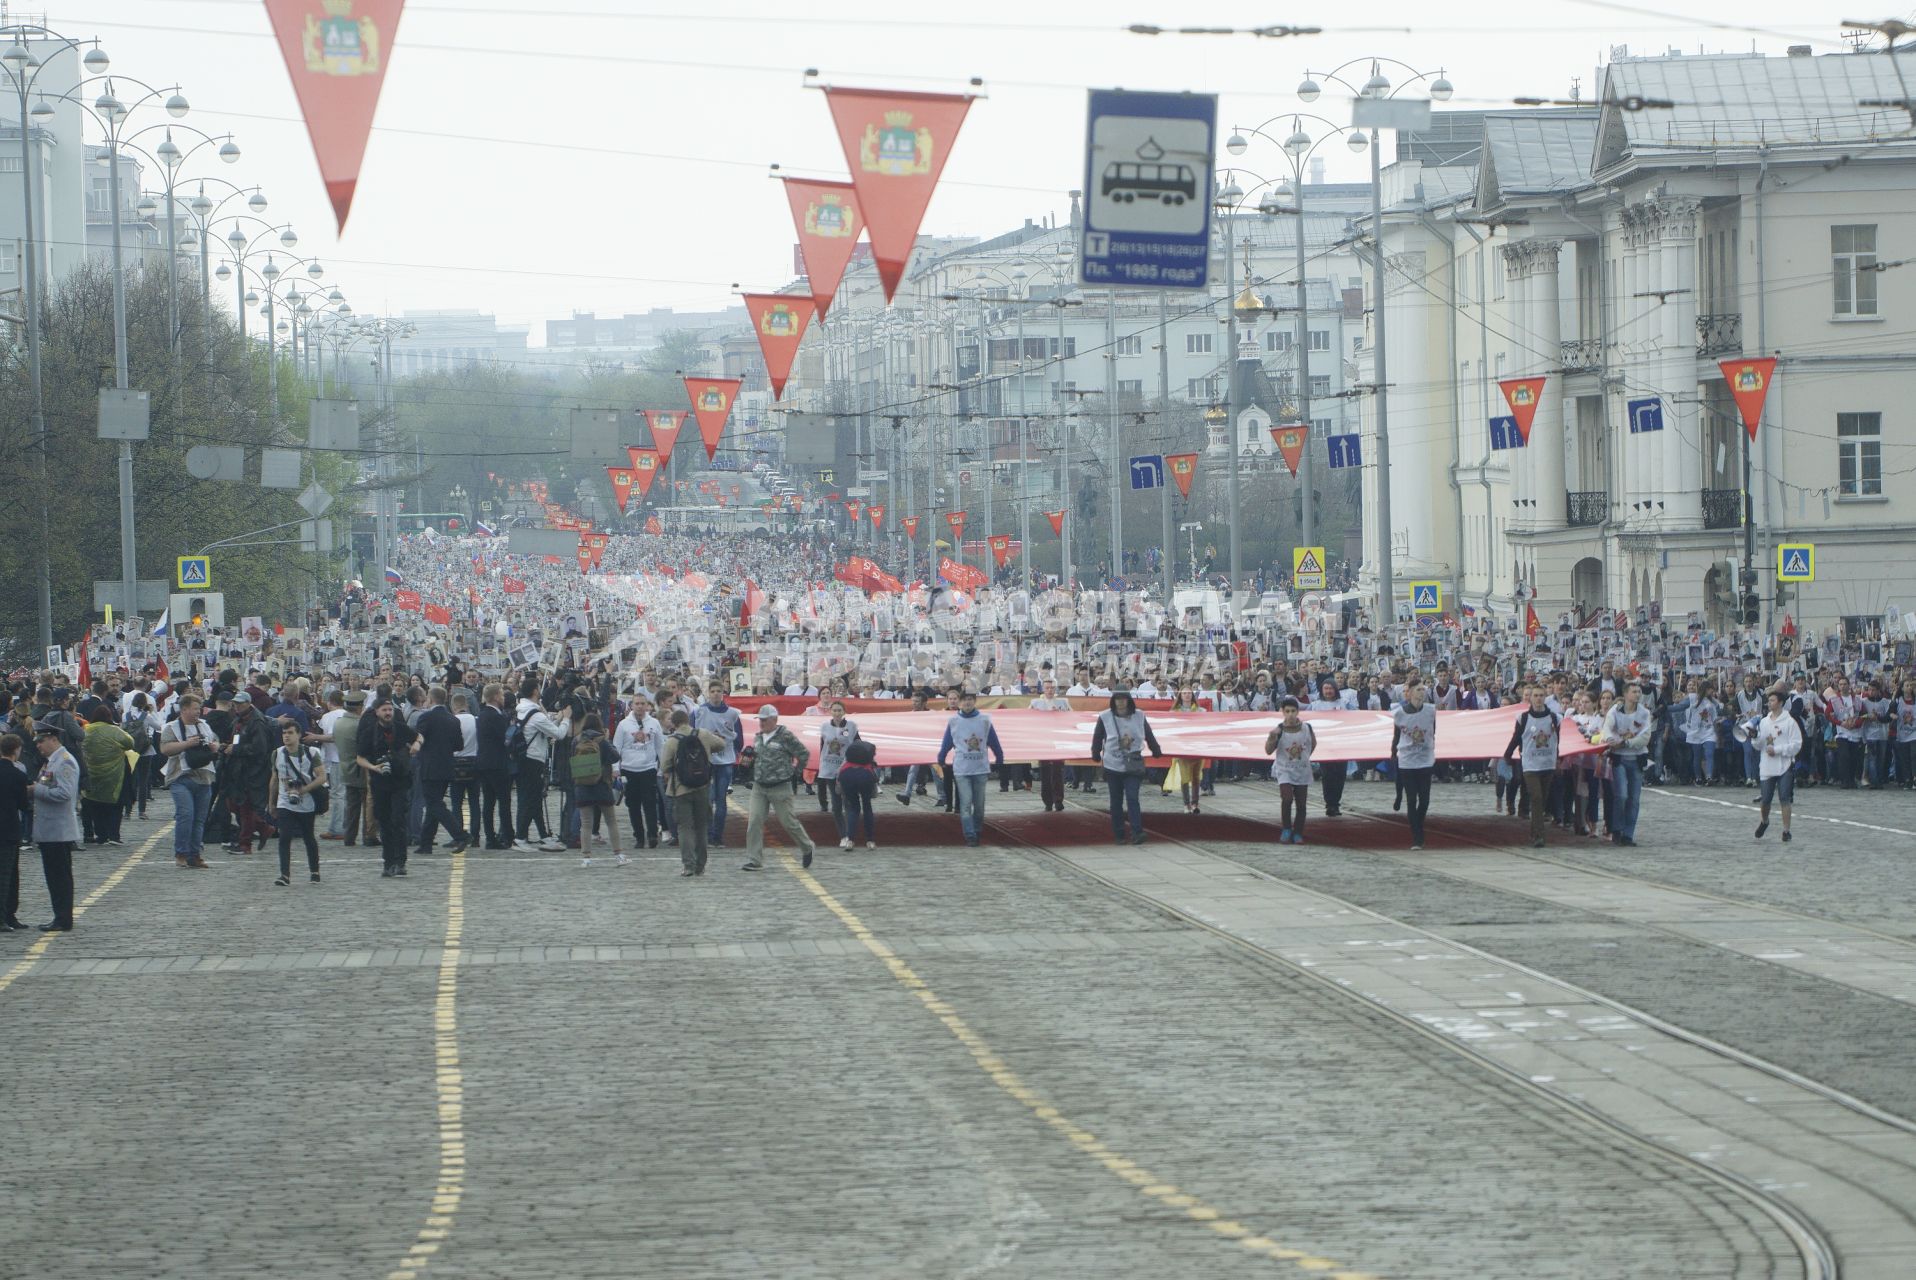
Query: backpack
point(587, 764)
point(692, 766)
point(141, 739)
point(517, 740)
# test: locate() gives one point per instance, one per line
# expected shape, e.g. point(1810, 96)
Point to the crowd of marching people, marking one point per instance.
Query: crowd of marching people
point(637, 706)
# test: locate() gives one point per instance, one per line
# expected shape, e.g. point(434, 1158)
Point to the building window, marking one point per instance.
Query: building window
point(1197, 344)
point(1853, 267)
point(1133, 387)
point(1320, 339)
point(1278, 340)
point(1320, 427)
point(1131, 344)
point(1320, 386)
point(1201, 389)
point(1283, 386)
point(1859, 455)
point(1051, 345)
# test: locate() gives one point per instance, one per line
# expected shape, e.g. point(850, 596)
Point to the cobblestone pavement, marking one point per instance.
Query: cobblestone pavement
point(917, 1061)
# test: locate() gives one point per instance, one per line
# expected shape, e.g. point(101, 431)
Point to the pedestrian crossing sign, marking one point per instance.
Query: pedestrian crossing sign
point(196, 571)
point(1426, 597)
point(1796, 562)
point(1307, 568)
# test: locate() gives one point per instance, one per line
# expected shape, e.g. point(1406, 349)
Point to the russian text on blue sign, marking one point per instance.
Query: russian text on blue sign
point(1147, 471)
point(1148, 163)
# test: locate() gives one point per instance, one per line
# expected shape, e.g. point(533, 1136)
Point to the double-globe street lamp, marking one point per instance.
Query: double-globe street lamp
point(23, 69)
point(1377, 88)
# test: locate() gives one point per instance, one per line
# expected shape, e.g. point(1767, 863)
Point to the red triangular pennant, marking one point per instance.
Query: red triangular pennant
point(1522, 395)
point(779, 320)
point(877, 513)
point(896, 145)
point(336, 53)
point(1749, 384)
point(1183, 466)
point(666, 425)
point(652, 525)
point(1291, 438)
point(622, 479)
point(956, 519)
point(910, 524)
point(645, 468)
point(826, 216)
point(711, 405)
point(1000, 547)
point(1057, 522)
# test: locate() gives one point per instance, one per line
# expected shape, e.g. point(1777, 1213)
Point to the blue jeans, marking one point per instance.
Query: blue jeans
point(971, 802)
point(1702, 761)
point(1626, 795)
point(192, 801)
point(1123, 790)
point(721, 787)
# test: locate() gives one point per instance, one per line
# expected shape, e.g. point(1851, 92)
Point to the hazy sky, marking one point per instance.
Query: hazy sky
point(533, 159)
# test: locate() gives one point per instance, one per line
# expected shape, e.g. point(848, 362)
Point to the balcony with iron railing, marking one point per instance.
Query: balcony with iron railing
point(1581, 355)
point(1586, 508)
point(1719, 335)
point(1722, 508)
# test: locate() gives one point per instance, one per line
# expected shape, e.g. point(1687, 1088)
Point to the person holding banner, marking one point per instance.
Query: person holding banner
point(1413, 753)
point(1119, 743)
point(972, 746)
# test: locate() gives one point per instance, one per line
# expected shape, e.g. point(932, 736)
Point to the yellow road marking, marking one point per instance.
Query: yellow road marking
point(33, 953)
point(993, 1065)
point(449, 1089)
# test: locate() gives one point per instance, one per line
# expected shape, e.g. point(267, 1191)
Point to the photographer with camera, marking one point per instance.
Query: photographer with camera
point(190, 748)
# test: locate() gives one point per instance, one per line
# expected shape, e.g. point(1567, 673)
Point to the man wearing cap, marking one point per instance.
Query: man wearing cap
point(345, 734)
point(55, 825)
point(779, 759)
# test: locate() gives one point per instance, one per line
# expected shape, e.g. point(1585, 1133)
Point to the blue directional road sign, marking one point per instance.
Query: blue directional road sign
point(1346, 451)
point(1645, 414)
point(1504, 433)
point(1147, 471)
point(1148, 159)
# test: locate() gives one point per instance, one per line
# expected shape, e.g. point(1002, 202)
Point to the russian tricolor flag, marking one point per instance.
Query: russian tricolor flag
point(394, 576)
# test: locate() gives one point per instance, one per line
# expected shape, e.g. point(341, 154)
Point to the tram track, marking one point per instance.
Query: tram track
point(1815, 1249)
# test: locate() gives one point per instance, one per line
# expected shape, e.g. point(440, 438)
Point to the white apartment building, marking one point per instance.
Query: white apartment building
point(1621, 254)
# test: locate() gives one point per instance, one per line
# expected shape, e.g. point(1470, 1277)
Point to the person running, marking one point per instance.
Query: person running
point(1536, 733)
point(1778, 739)
point(1119, 744)
point(298, 772)
point(1291, 745)
point(1626, 737)
point(972, 744)
point(594, 764)
point(1413, 753)
point(778, 761)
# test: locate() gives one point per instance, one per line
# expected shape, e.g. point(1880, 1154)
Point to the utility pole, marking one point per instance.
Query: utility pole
point(1117, 447)
point(1166, 550)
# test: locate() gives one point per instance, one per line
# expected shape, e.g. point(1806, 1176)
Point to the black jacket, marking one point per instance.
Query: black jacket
point(15, 803)
point(439, 730)
point(492, 740)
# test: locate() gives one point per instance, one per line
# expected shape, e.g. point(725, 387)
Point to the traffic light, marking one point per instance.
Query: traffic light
point(1752, 608)
point(196, 606)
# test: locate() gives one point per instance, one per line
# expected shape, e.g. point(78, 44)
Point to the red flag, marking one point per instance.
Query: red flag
point(711, 405)
point(652, 525)
point(896, 145)
point(585, 557)
point(337, 60)
point(1749, 385)
point(407, 600)
point(1530, 624)
point(1000, 547)
point(1522, 395)
point(440, 614)
point(515, 586)
point(1057, 522)
point(161, 675)
point(645, 468)
point(666, 425)
point(779, 320)
point(852, 509)
point(1291, 438)
point(553, 560)
point(1183, 466)
point(911, 525)
point(956, 519)
point(622, 480)
point(826, 215)
point(1789, 626)
point(877, 513)
point(85, 677)
point(753, 602)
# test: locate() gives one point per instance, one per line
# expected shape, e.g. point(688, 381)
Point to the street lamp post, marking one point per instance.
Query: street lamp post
point(1378, 87)
point(23, 73)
